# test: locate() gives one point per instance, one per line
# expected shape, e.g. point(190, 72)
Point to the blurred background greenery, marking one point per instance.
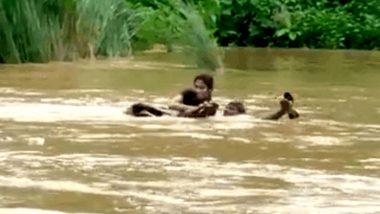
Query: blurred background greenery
point(66, 30)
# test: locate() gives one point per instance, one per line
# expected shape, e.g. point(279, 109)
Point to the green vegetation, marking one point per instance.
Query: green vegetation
point(45, 30)
point(298, 23)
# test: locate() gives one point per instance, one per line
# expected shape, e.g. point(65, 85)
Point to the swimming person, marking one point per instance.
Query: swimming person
point(292, 114)
point(190, 97)
point(204, 85)
point(286, 107)
point(234, 108)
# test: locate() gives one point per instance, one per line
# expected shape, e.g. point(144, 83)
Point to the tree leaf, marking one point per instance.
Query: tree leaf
point(282, 32)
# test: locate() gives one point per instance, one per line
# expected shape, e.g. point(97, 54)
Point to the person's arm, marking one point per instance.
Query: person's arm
point(204, 110)
point(293, 114)
point(142, 109)
point(285, 105)
point(275, 116)
point(176, 104)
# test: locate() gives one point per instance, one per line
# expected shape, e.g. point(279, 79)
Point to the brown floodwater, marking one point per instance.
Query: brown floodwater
point(67, 147)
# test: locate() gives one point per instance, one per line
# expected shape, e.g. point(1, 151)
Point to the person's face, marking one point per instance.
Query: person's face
point(202, 89)
point(230, 110)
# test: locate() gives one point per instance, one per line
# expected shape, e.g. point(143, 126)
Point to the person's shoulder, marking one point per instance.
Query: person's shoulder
point(176, 99)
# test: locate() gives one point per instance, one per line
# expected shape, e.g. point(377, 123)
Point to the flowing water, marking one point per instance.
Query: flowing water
point(67, 147)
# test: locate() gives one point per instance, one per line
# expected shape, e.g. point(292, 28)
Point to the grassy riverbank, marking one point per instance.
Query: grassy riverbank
point(50, 30)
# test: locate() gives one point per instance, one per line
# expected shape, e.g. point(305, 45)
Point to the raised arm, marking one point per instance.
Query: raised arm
point(285, 106)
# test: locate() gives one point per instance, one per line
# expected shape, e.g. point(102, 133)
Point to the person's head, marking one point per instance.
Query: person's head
point(191, 97)
point(136, 108)
point(288, 96)
point(204, 85)
point(286, 101)
point(234, 108)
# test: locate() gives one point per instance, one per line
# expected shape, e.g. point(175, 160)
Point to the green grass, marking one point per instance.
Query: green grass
point(46, 30)
point(198, 40)
point(67, 30)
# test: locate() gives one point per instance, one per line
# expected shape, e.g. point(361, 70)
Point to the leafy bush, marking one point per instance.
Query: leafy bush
point(45, 30)
point(298, 23)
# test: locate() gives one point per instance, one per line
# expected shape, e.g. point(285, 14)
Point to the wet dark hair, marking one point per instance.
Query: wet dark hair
point(190, 97)
point(137, 108)
point(207, 79)
point(238, 105)
point(288, 96)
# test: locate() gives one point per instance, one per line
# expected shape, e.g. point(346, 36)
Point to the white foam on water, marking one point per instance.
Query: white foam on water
point(370, 163)
point(16, 91)
point(106, 136)
point(37, 141)
point(161, 100)
point(194, 135)
point(81, 91)
point(359, 98)
point(101, 137)
point(321, 140)
point(52, 100)
point(67, 186)
point(233, 126)
point(190, 183)
point(276, 137)
point(44, 112)
point(6, 139)
point(22, 210)
point(371, 160)
point(239, 139)
point(259, 96)
point(368, 139)
point(238, 192)
point(138, 91)
point(11, 99)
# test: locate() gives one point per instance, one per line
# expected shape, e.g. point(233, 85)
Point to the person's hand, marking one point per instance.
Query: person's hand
point(205, 104)
point(191, 109)
point(293, 114)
